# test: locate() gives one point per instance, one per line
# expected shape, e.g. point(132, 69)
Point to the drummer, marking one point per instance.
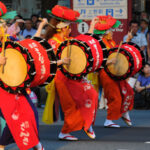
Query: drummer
point(73, 94)
point(112, 90)
point(21, 125)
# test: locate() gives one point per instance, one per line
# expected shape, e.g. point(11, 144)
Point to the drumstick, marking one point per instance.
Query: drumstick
point(3, 45)
point(41, 19)
point(118, 55)
point(119, 48)
point(68, 52)
point(3, 50)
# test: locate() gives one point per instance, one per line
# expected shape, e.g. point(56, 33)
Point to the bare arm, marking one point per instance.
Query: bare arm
point(92, 25)
point(111, 61)
point(138, 87)
point(59, 62)
point(42, 24)
point(64, 61)
point(129, 37)
point(148, 46)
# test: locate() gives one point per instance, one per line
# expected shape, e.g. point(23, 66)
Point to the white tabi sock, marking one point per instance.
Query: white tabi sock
point(39, 146)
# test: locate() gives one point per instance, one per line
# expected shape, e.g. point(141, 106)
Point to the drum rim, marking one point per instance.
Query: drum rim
point(64, 71)
point(27, 82)
point(53, 66)
point(141, 52)
point(104, 49)
point(101, 47)
point(131, 67)
point(137, 53)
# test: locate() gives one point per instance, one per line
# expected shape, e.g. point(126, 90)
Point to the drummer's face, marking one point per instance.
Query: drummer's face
point(67, 31)
point(110, 35)
point(134, 27)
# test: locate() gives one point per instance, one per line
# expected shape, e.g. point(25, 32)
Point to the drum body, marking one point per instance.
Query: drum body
point(87, 53)
point(30, 63)
point(129, 61)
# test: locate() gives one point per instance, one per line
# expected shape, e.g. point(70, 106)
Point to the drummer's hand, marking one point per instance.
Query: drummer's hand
point(44, 21)
point(66, 61)
point(112, 61)
point(2, 60)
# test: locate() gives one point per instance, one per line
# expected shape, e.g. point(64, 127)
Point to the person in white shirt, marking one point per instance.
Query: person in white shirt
point(28, 31)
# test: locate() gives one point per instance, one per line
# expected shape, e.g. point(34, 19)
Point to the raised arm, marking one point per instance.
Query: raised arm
point(148, 45)
point(92, 24)
point(41, 26)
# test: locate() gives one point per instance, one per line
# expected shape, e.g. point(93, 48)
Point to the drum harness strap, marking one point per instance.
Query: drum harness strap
point(57, 40)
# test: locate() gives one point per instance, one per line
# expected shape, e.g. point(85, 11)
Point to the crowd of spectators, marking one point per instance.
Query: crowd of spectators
point(139, 33)
point(22, 28)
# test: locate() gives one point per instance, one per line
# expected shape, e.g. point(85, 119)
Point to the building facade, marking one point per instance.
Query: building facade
point(124, 10)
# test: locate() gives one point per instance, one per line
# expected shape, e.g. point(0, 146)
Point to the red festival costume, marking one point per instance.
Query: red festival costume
point(119, 94)
point(20, 119)
point(78, 98)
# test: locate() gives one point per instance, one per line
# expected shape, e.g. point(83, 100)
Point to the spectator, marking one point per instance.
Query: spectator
point(21, 24)
point(148, 46)
point(144, 15)
point(134, 36)
point(14, 29)
point(35, 19)
point(18, 17)
point(142, 89)
point(28, 31)
point(143, 26)
point(144, 29)
point(37, 24)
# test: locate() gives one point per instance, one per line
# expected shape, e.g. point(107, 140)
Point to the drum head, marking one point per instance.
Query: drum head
point(121, 66)
point(15, 70)
point(19, 68)
point(78, 59)
point(81, 58)
point(124, 65)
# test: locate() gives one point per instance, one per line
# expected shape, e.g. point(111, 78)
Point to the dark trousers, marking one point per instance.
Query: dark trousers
point(142, 100)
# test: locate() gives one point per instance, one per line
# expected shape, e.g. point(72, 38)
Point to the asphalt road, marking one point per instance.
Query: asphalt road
point(124, 138)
